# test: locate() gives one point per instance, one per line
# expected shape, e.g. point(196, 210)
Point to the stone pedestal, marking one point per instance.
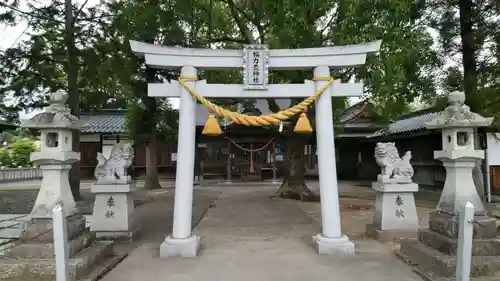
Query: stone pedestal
point(178, 247)
point(113, 215)
point(395, 213)
point(33, 259)
point(433, 252)
point(341, 246)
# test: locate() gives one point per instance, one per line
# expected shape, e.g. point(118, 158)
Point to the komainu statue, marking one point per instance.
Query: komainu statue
point(394, 168)
point(114, 169)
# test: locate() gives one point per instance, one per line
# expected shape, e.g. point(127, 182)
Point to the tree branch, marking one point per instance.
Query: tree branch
point(227, 39)
point(239, 22)
point(30, 14)
point(81, 8)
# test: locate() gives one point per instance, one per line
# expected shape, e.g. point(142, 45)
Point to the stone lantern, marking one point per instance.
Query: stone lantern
point(56, 126)
point(435, 250)
point(33, 257)
point(458, 154)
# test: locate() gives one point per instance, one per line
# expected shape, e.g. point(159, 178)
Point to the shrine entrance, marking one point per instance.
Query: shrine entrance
point(256, 61)
point(252, 160)
point(239, 156)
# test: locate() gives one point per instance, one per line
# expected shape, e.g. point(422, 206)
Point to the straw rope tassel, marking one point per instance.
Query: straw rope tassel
point(303, 126)
point(212, 127)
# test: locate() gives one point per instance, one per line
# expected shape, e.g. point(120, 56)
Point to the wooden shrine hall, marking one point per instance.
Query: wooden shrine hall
point(240, 153)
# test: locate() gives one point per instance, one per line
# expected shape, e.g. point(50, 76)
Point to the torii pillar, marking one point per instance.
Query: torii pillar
point(256, 61)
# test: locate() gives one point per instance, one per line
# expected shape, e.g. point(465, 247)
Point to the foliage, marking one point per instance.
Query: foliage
point(444, 16)
point(20, 152)
point(167, 122)
point(5, 158)
point(17, 154)
point(37, 65)
point(150, 22)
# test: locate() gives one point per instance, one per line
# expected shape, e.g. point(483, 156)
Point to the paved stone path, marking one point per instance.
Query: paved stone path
point(246, 235)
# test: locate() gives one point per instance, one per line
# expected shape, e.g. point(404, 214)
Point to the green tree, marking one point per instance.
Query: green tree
point(399, 74)
point(149, 119)
point(36, 65)
point(469, 36)
point(403, 71)
point(20, 152)
point(58, 54)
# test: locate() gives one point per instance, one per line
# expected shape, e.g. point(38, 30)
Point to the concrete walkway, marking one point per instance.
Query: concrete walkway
point(246, 235)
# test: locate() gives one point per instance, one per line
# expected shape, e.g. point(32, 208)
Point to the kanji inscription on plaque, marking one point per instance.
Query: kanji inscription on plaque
point(255, 66)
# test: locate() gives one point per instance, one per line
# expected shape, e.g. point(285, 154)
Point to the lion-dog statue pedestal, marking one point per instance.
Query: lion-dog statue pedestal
point(113, 217)
point(395, 214)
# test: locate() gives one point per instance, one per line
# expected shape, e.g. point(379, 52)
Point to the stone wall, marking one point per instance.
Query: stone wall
point(19, 174)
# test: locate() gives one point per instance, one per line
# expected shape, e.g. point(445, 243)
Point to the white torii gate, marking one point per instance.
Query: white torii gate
point(256, 61)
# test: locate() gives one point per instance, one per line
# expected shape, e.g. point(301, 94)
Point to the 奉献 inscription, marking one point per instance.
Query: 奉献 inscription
point(399, 200)
point(110, 214)
point(111, 202)
point(400, 213)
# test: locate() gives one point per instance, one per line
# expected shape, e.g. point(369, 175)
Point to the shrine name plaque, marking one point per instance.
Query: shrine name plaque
point(255, 67)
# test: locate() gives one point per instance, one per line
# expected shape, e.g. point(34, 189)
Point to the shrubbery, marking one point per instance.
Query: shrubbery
point(17, 154)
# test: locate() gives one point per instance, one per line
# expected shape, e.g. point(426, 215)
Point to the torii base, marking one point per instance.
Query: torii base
point(185, 248)
point(334, 246)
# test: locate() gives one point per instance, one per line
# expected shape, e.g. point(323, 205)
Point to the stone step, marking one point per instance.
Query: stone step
point(104, 267)
point(449, 246)
point(10, 225)
point(10, 217)
point(46, 250)
point(6, 244)
point(10, 233)
point(435, 264)
point(44, 269)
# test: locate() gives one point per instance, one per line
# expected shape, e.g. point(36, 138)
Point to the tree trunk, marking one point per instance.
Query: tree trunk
point(294, 186)
point(469, 63)
point(469, 53)
point(152, 181)
point(74, 174)
point(74, 101)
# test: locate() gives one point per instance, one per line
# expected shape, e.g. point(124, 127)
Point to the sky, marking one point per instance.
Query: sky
point(10, 35)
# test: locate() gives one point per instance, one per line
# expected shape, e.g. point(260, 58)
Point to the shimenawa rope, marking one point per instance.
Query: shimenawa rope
point(212, 127)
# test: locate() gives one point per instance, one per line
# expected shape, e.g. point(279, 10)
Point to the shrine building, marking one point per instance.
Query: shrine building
point(241, 153)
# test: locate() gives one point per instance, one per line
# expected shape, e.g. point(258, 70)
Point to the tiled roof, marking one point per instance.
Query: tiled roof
point(406, 125)
point(352, 111)
point(104, 123)
point(115, 122)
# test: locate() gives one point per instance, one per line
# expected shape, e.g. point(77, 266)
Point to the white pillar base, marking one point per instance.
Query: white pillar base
point(333, 246)
point(185, 248)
